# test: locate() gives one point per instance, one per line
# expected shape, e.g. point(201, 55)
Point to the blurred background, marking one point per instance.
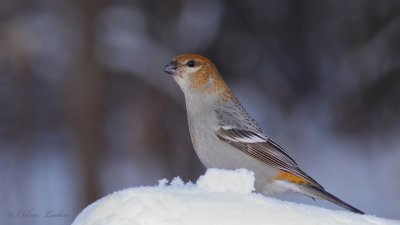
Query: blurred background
point(85, 109)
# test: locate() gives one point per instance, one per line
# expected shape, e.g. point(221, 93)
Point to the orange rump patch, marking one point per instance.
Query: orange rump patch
point(290, 177)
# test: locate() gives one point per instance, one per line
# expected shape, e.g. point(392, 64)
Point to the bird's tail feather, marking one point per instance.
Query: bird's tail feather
point(316, 192)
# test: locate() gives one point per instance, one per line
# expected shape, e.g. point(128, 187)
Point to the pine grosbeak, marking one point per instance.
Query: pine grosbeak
point(225, 136)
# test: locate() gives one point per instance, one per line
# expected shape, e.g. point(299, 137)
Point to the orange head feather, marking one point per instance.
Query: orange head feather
point(197, 73)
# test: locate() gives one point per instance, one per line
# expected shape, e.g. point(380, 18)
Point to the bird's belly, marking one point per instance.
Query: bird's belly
point(214, 153)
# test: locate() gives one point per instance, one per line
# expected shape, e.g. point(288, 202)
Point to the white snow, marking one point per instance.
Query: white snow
point(218, 197)
point(216, 180)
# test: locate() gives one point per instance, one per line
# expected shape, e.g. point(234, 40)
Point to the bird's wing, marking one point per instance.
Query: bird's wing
point(250, 140)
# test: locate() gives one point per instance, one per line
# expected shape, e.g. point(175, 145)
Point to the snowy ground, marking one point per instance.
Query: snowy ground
point(218, 197)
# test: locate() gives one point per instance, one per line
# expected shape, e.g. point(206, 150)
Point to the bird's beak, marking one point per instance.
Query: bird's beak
point(171, 67)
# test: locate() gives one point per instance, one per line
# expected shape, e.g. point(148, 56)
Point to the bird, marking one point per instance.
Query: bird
point(225, 136)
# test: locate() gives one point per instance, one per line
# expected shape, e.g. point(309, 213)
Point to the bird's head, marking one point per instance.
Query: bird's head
point(196, 74)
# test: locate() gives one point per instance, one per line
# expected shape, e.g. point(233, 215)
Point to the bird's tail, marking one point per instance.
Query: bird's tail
point(317, 192)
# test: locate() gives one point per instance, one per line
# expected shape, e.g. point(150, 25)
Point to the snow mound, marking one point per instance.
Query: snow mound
point(218, 197)
point(216, 180)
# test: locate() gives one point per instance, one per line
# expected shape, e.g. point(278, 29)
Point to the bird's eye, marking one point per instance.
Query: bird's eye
point(191, 63)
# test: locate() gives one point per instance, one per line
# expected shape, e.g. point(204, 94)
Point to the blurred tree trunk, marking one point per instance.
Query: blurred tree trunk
point(87, 103)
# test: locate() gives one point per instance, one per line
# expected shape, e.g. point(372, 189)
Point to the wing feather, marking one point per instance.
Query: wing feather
point(264, 149)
